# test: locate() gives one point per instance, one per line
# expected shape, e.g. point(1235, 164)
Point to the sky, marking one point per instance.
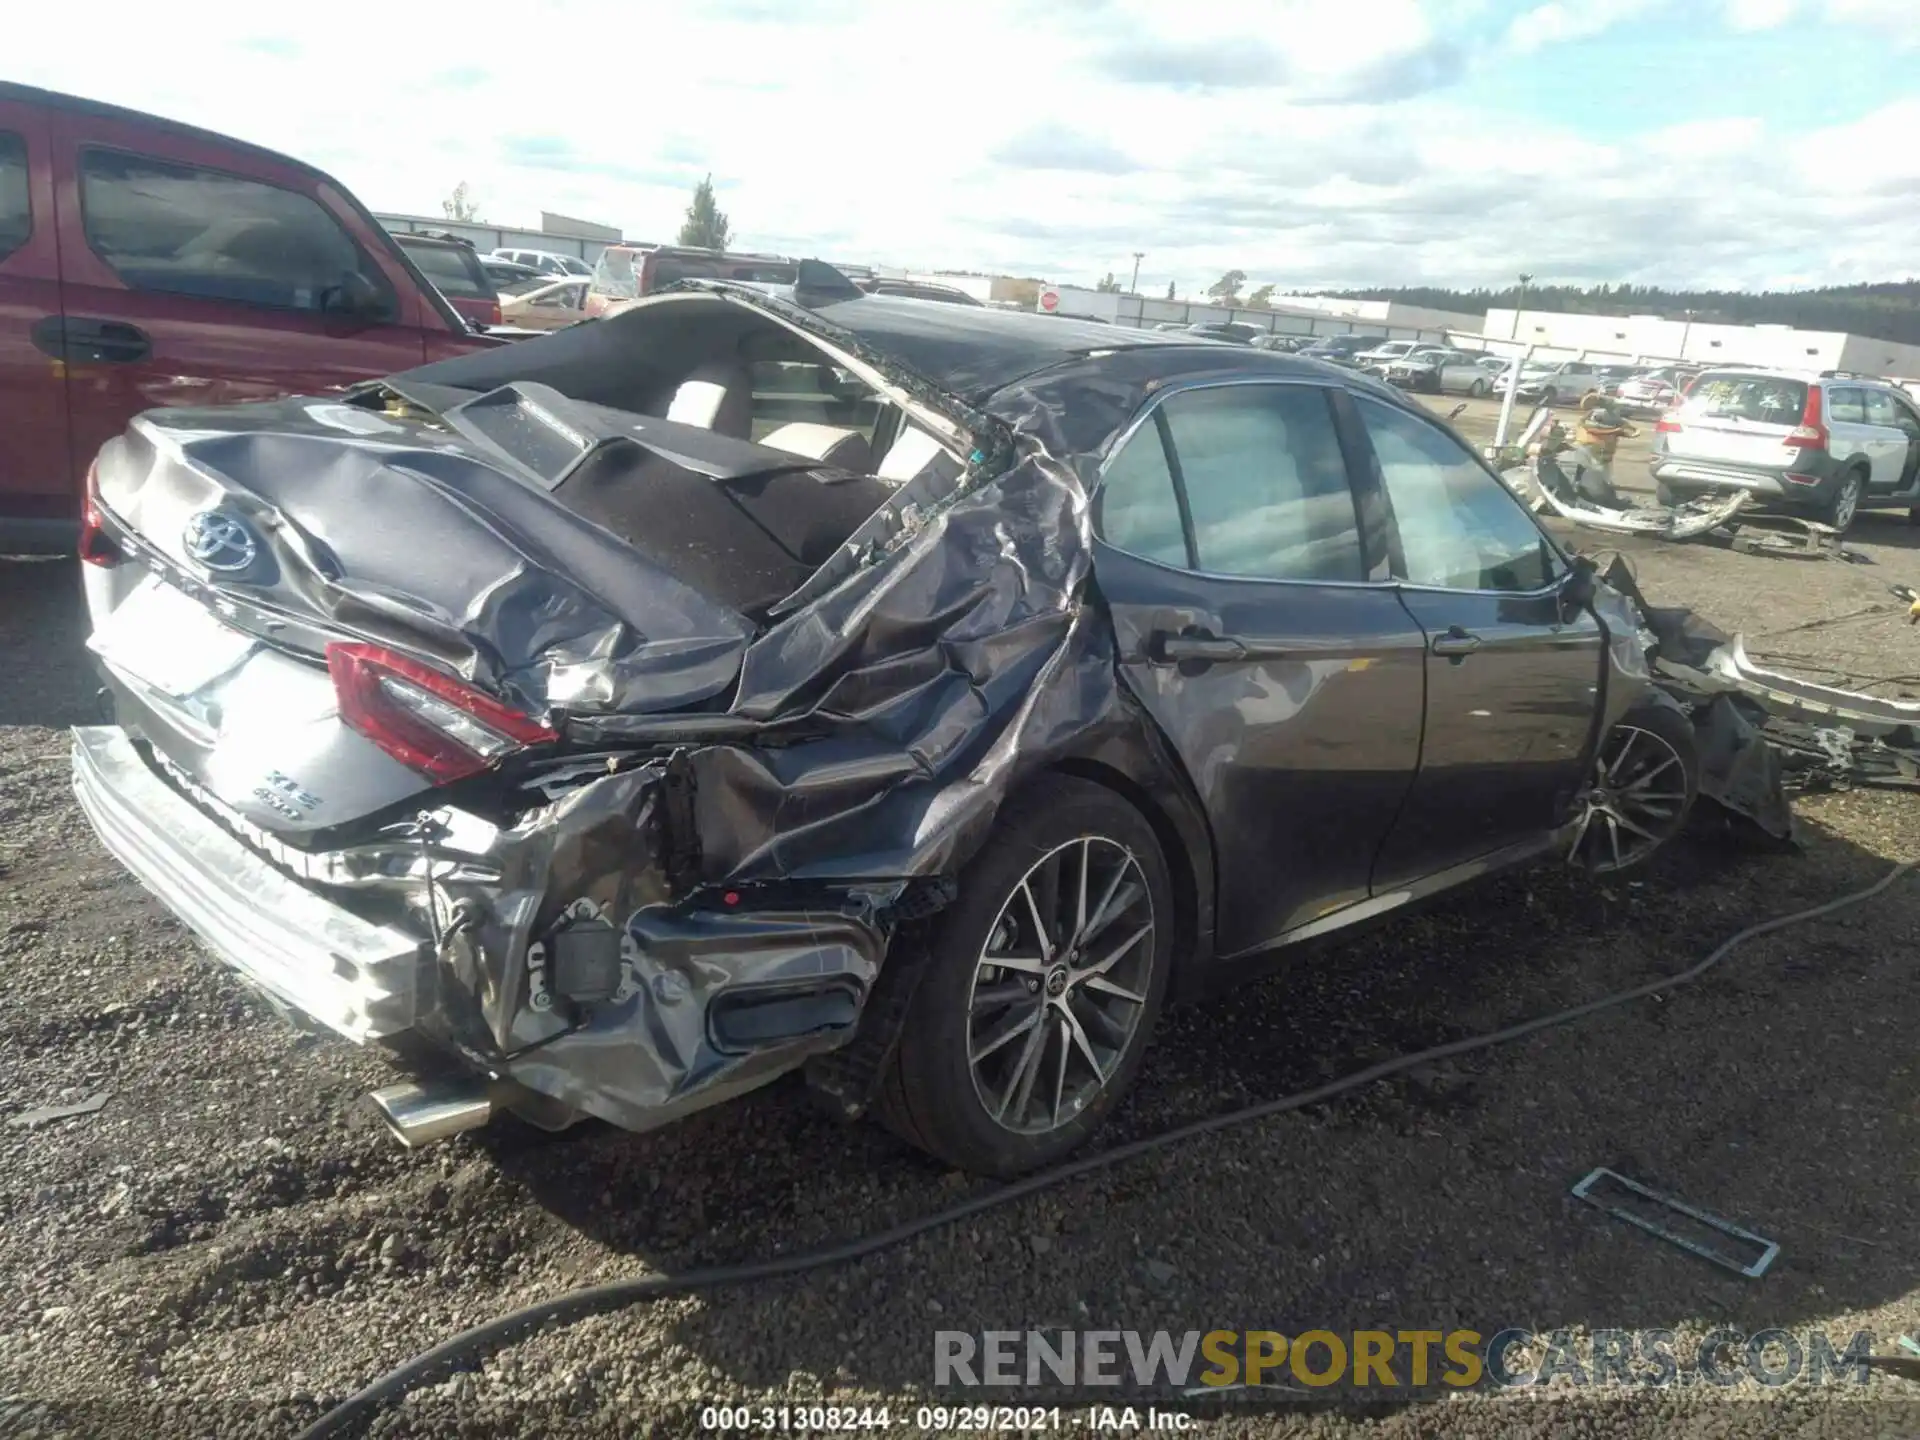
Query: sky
point(1310, 143)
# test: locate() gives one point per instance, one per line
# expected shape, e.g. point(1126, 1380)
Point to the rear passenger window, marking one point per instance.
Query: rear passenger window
point(1880, 411)
point(180, 230)
point(1138, 511)
point(1845, 407)
point(16, 214)
point(452, 270)
point(1265, 481)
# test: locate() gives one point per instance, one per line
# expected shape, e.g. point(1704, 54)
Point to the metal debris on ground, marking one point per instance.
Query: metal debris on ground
point(1803, 539)
point(1817, 737)
point(1660, 1215)
point(1689, 520)
point(47, 1114)
point(1572, 477)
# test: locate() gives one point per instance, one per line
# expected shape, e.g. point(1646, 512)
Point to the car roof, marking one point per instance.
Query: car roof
point(975, 351)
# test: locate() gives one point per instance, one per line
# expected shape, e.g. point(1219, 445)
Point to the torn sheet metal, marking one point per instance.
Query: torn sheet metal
point(1739, 770)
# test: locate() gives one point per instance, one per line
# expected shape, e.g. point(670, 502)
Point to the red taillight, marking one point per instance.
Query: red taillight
point(96, 546)
point(1668, 424)
point(426, 720)
point(1811, 433)
point(493, 313)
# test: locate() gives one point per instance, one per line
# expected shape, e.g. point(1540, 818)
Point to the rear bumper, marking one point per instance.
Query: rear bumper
point(357, 978)
point(710, 999)
point(1769, 481)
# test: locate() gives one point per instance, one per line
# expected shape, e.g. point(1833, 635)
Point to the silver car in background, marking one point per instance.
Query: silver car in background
point(1436, 369)
point(1829, 445)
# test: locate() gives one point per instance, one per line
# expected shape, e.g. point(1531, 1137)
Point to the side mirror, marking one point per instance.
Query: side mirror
point(356, 299)
point(1577, 592)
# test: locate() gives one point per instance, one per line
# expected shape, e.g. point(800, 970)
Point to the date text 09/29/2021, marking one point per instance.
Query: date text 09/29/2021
point(940, 1419)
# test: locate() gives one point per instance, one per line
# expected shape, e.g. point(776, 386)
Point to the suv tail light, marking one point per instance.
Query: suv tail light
point(96, 546)
point(1811, 433)
point(428, 721)
point(1668, 424)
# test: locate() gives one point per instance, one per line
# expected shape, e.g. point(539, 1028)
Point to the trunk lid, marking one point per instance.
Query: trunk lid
point(1739, 420)
point(514, 540)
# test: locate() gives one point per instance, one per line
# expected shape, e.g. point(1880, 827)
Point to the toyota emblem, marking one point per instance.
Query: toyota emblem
point(220, 542)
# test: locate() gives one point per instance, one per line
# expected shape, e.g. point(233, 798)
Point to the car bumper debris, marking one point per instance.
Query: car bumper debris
point(1581, 495)
point(1764, 733)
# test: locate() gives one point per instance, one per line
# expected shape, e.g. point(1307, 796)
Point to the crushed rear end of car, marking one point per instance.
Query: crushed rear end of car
point(622, 812)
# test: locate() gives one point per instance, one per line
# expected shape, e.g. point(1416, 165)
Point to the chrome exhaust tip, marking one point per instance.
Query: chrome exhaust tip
point(417, 1115)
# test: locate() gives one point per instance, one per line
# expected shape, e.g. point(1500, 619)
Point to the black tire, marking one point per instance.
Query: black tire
point(930, 1096)
point(1666, 495)
point(1478, 389)
point(1835, 510)
point(1633, 750)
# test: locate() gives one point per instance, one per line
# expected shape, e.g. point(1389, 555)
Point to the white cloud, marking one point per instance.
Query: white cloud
point(1560, 21)
point(1899, 20)
point(1333, 143)
point(1750, 15)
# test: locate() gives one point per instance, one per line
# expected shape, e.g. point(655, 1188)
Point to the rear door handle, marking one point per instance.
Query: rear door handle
point(82, 341)
point(1456, 644)
point(1195, 645)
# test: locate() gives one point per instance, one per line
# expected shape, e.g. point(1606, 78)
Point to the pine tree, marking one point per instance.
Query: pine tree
point(706, 224)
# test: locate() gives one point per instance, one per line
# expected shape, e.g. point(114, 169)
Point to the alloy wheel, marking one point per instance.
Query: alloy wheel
point(1847, 501)
point(1634, 804)
point(1061, 985)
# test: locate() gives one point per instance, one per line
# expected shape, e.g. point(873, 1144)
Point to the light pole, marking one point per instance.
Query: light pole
point(1512, 387)
point(1686, 330)
point(1519, 305)
point(1133, 285)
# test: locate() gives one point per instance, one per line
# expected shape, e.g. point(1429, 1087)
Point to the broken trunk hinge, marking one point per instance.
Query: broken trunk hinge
point(679, 830)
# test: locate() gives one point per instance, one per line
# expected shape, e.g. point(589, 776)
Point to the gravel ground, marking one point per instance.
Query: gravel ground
point(230, 1242)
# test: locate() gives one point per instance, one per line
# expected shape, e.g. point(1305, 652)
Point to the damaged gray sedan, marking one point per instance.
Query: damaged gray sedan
point(766, 678)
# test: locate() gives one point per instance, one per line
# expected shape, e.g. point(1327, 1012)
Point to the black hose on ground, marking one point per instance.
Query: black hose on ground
point(598, 1299)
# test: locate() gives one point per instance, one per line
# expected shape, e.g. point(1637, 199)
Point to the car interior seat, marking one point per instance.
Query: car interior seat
point(833, 445)
point(716, 396)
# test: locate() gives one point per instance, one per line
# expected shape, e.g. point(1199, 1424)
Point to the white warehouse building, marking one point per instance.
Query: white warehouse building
point(1558, 335)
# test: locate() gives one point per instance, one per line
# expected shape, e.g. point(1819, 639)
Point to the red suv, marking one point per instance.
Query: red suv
point(145, 263)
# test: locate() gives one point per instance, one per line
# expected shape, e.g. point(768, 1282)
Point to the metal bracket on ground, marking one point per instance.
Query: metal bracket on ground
point(1638, 1199)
